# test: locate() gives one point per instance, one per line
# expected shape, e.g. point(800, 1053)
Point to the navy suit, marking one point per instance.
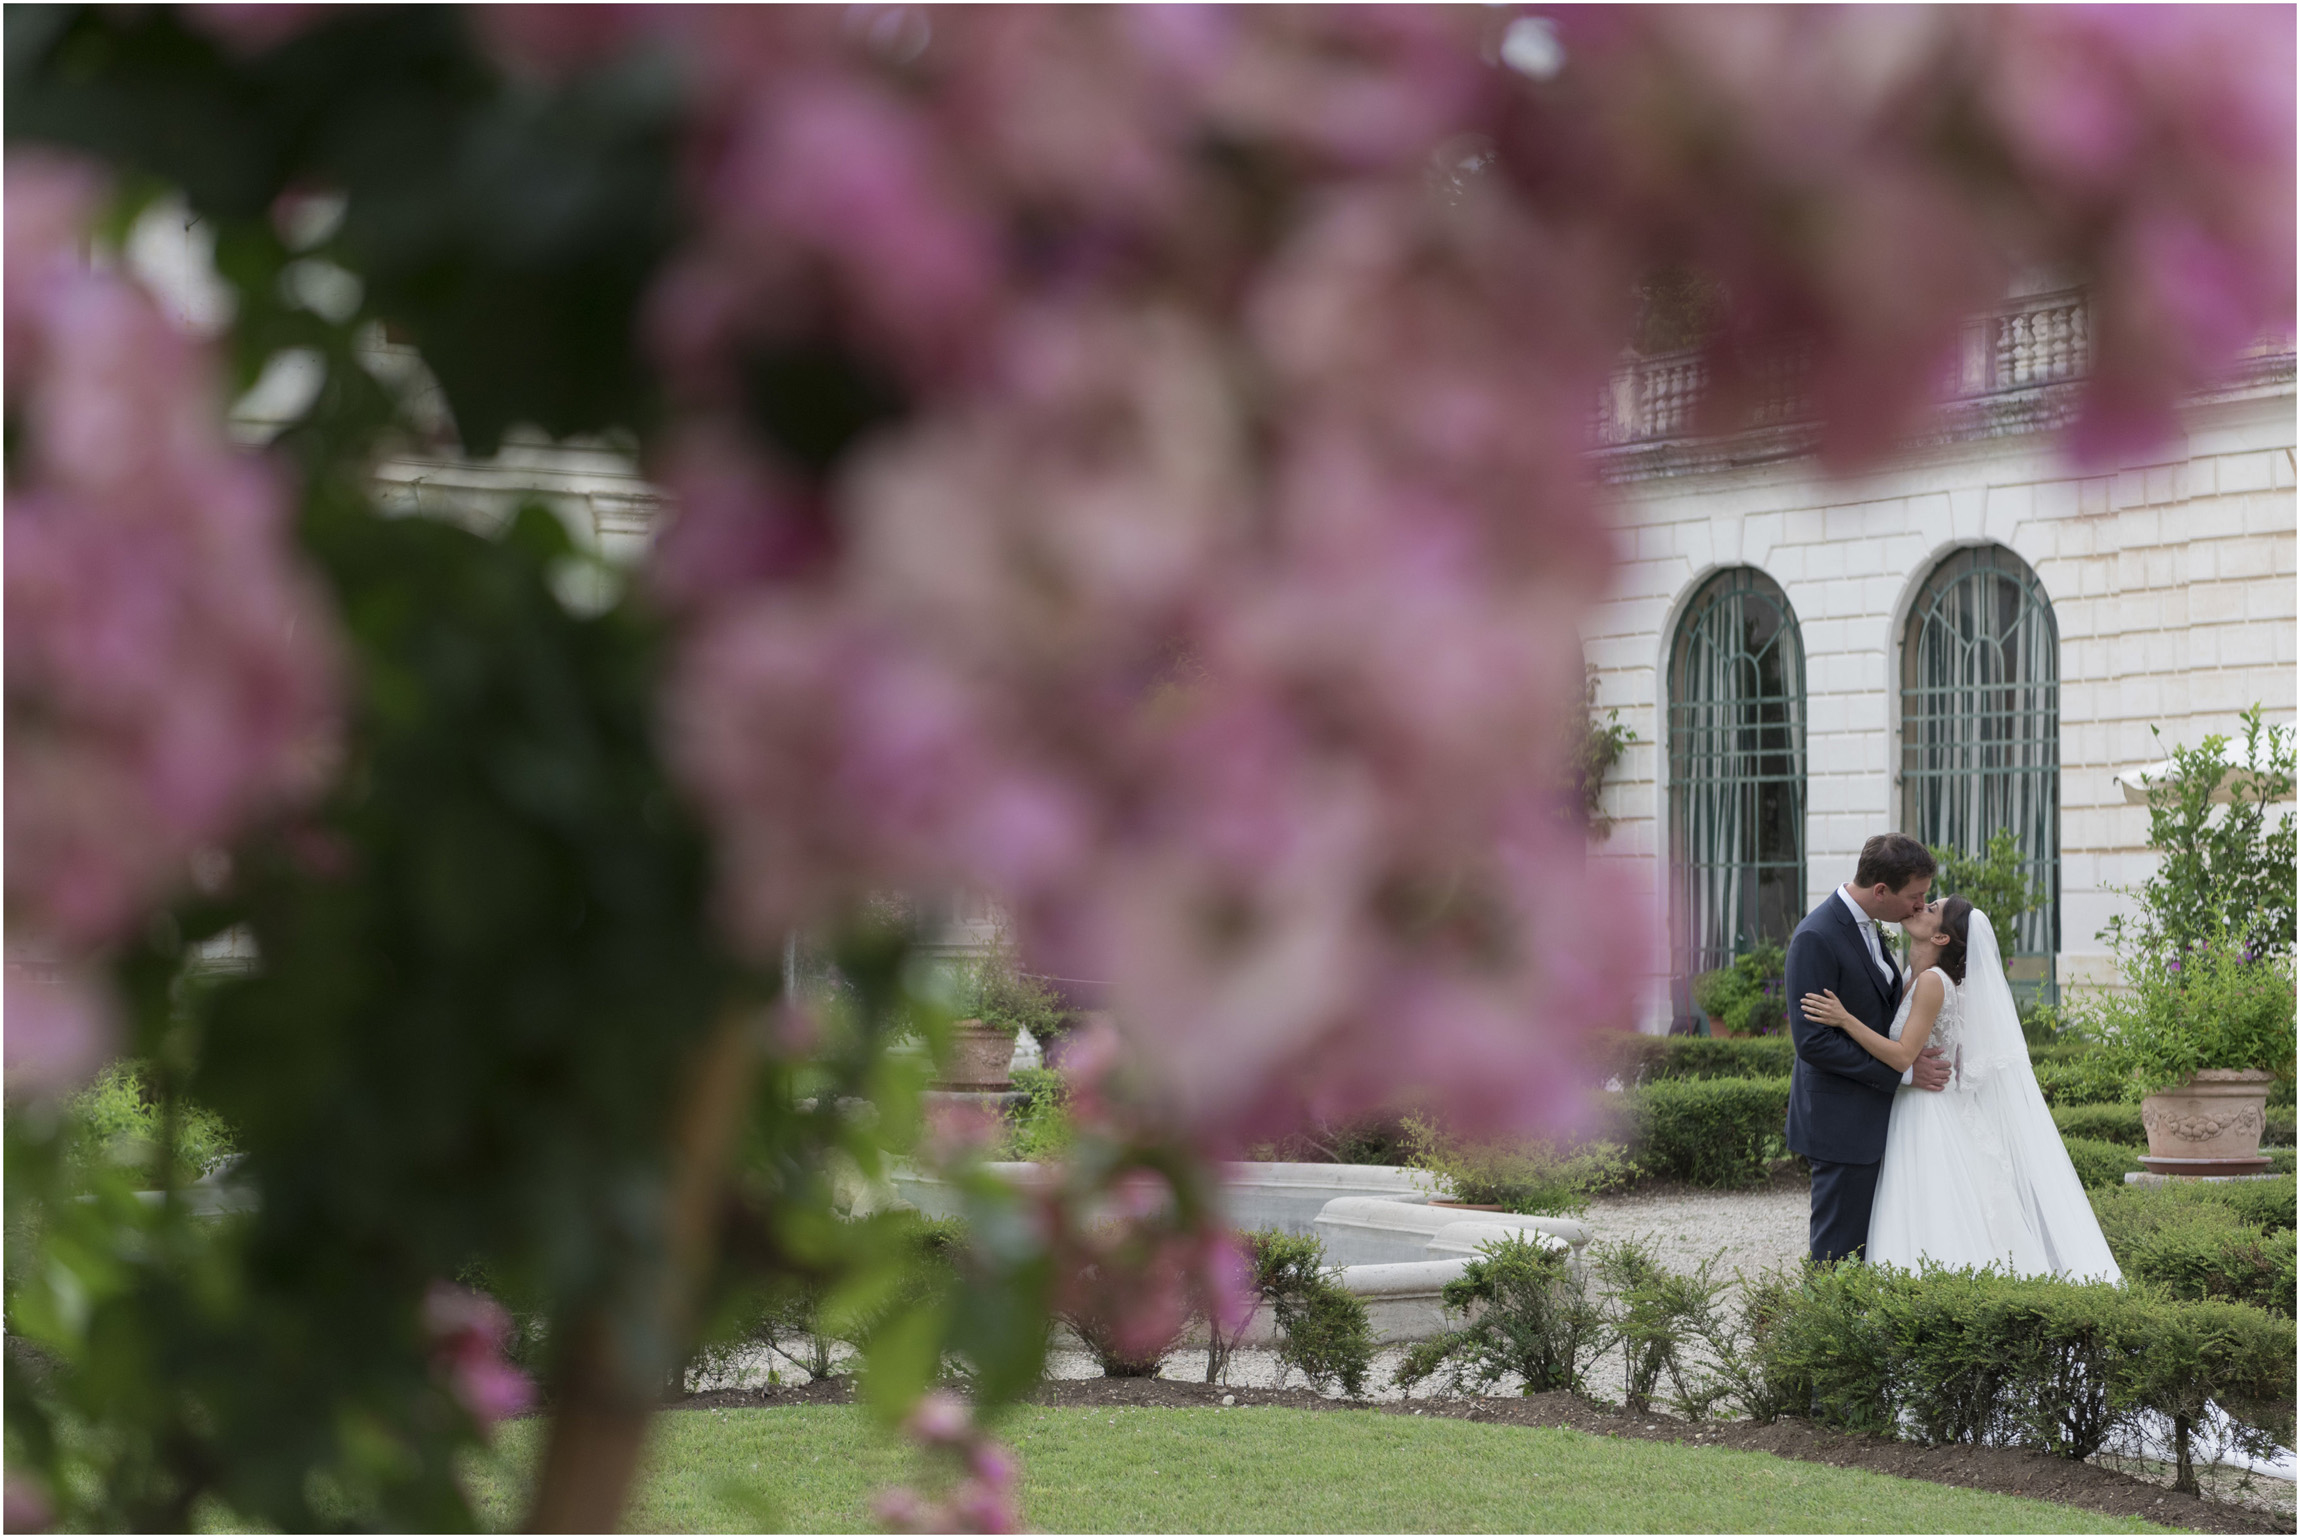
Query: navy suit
point(1840, 1098)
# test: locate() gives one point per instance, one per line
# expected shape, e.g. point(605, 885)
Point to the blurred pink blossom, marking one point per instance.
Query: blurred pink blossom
point(248, 30)
point(469, 1332)
point(939, 1419)
point(27, 1508)
point(59, 1030)
point(170, 664)
point(981, 1499)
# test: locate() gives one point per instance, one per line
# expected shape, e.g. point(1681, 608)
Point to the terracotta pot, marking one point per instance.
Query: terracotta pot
point(2219, 1114)
point(981, 1057)
point(1717, 1026)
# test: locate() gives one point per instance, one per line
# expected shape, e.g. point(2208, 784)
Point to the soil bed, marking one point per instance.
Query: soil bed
point(2006, 1471)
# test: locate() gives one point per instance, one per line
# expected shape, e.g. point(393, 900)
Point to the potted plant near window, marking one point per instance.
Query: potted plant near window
point(2206, 1026)
point(1715, 994)
point(1744, 999)
point(997, 1002)
point(2205, 1033)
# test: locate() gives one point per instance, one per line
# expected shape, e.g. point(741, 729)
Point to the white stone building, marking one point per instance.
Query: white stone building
point(2158, 593)
point(1973, 634)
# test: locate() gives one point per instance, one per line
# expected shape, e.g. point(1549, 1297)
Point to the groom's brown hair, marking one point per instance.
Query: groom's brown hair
point(1893, 859)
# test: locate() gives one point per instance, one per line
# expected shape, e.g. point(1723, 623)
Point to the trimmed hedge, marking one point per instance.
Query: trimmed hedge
point(2198, 1249)
point(1707, 1132)
point(2087, 1078)
point(2117, 1123)
point(2266, 1204)
point(2101, 1164)
point(1646, 1059)
point(1945, 1356)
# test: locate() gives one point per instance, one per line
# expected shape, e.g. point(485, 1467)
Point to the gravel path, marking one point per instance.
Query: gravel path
point(1749, 1231)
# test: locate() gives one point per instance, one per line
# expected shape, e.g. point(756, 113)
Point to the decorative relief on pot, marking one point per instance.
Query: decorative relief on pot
point(2196, 1128)
point(2219, 1113)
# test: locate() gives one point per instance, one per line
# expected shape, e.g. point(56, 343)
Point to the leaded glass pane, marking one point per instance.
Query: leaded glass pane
point(1980, 730)
point(1736, 773)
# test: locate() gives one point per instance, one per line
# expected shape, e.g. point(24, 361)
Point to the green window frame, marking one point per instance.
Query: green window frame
point(1980, 731)
point(1736, 692)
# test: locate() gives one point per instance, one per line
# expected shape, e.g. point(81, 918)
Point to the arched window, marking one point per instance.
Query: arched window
point(1736, 773)
point(1980, 731)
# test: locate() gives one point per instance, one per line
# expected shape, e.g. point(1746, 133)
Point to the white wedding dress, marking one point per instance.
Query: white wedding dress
point(1976, 1174)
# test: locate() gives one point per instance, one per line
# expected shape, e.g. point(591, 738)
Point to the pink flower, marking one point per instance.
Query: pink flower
point(469, 1332)
point(59, 1029)
point(939, 1419)
point(248, 30)
point(171, 666)
point(27, 1507)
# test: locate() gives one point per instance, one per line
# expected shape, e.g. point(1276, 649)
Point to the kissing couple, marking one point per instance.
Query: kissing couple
point(1912, 1094)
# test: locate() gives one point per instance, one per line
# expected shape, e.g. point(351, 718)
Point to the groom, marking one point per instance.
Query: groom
point(1839, 1096)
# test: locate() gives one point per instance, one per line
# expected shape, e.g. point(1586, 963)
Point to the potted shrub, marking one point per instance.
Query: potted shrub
point(1715, 994)
point(1744, 999)
point(2207, 1024)
point(997, 1002)
point(2202, 1034)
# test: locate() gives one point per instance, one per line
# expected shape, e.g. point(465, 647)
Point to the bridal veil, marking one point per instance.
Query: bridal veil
point(1993, 1070)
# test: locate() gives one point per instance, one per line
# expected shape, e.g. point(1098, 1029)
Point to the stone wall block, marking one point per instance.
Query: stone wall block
point(2243, 472)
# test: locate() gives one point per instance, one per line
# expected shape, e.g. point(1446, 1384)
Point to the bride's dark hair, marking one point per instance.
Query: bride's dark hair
point(1956, 923)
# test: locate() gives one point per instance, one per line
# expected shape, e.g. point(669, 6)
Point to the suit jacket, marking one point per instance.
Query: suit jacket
point(1839, 1096)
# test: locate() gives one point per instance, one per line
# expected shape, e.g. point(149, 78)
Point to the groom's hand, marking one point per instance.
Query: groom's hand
point(1930, 1070)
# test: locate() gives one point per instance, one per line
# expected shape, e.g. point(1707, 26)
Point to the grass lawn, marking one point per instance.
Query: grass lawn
point(813, 1469)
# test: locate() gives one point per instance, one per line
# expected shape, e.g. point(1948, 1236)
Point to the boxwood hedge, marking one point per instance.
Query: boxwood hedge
point(1960, 1356)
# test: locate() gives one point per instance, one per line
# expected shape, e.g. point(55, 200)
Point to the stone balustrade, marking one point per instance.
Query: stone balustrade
point(2040, 340)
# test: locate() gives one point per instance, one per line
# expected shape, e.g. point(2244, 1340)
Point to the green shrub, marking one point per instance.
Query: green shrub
point(1660, 1319)
point(2041, 1024)
point(119, 1120)
point(994, 989)
point(1996, 881)
point(1707, 1132)
point(1526, 1315)
point(1381, 1139)
point(1717, 991)
point(2089, 1077)
point(2278, 1131)
point(1323, 1328)
point(1530, 1177)
point(2101, 1164)
point(2112, 1123)
point(1763, 1381)
point(2281, 1161)
point(805, 1318)
point(1039, 1125)
point(1964, 1356)
point(1643, 1059)
point(2221, 864)
point(2265, 1203)
point(1745, 996)
point(2205, 1239)
point(2214, 1004)
point(2198, 1252)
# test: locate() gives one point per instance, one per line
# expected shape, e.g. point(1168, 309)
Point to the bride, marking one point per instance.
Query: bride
point(1976, 1175)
